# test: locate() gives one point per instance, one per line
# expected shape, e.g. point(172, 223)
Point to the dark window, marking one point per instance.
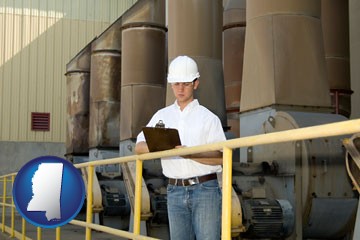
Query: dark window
point(40, 121)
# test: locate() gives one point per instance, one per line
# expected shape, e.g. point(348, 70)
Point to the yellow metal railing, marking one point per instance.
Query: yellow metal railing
point(326, 130)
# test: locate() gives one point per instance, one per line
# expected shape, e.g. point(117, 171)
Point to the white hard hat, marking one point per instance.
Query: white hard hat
point(183, 69)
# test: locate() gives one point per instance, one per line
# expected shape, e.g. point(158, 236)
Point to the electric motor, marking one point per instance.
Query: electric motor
point(266, 218)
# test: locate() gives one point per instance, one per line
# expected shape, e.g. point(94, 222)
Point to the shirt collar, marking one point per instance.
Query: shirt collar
point(188, 107)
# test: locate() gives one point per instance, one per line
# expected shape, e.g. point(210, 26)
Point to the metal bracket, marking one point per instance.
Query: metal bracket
point(271, 120)
point(249, 151)
point(160, 124)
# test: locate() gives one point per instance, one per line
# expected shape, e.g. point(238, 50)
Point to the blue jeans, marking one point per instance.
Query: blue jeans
point(194, 211)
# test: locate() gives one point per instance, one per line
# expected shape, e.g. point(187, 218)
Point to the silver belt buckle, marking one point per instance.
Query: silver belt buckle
point(193, 181)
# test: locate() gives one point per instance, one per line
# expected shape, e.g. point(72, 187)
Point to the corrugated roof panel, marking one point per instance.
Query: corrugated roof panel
point(38, 39)
point(49, 74)
point(24, 92)
point(24, 76)
point(6, 99)
point(40, 80)
point(16, 79)
point(113, 10)
point(59, 81)
point(62, 116)
point(2, 60)
point(7, 76)
point(33, 70)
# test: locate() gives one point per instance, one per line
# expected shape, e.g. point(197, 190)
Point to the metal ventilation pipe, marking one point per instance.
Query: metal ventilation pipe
point(195, 29)
point(142, 93)
point(233, 45)
point(285, 87)
point(335, 24)
point(77, 103)
point(284, 62)
point(143, 66)
point(105, 82)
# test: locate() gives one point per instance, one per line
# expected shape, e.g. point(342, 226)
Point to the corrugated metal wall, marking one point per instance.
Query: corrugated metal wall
point(37, 39)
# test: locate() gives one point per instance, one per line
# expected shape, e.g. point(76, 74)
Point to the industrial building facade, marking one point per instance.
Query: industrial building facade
point(81, 79)
point(37, 40)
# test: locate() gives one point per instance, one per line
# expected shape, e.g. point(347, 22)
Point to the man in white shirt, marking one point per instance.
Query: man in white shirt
point(193, 192)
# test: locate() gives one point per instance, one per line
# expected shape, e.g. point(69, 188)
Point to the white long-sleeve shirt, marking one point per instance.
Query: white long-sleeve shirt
point(196, 125)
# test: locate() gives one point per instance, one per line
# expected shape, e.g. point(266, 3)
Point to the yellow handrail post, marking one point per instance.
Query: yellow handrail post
point(89, 211)
point(12, 210)
point(4, 202)
point(58, 233)
point(38, 230)
point(226, 194)
point(138, 185)
point(23, 229)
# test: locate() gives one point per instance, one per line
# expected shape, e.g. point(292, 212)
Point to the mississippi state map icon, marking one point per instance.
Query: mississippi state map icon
point(48, 191)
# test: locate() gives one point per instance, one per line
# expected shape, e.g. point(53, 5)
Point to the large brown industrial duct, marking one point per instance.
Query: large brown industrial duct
point(77, 102)
point(195, 29)
point(105, 82)
point(143, 65)
point(234, 40)
point(284, 61)
point(335, 24)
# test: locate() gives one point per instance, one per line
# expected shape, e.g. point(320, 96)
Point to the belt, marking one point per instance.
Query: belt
point(193, 180)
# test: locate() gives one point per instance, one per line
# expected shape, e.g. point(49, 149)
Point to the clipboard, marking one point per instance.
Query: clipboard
point(160, 138)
